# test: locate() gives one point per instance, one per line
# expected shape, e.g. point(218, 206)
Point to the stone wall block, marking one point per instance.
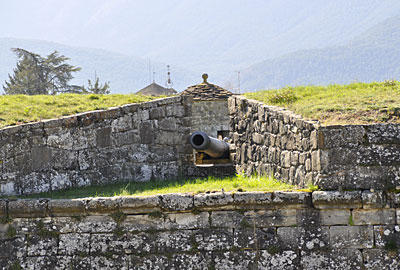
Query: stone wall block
point(374, 216)
point(99, 205)
point(187, 221)
point(387, 236)
point(342, 136)
point(213, 199)
point(176, 202)
point(331, 217)
point(336, 199)
point(289, 200)
point(374, 199)
point(213, 240)
point(27, 208)
point(246, 198)
point(383, 134)
point(74, 244)
point(139, 204)
point(351, 237)
point(65, 207)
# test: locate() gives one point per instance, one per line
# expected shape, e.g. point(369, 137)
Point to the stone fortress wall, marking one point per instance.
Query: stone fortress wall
point(354, 224)
point(274, 141)
point(138, 142)
point(279, 230)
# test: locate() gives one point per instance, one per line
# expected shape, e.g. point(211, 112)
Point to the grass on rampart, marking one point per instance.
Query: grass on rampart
point(237, 184)
point(355, 103)
point(18, 109)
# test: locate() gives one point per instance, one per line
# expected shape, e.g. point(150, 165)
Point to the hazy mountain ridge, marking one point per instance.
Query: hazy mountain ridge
point(372, 56)
point(217, 37)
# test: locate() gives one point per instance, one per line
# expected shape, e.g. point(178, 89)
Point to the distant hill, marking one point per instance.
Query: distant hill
point(372, 56)
point(126, 74)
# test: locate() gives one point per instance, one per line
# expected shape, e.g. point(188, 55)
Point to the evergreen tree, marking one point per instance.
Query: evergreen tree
point(35, 75)
point(97, 88)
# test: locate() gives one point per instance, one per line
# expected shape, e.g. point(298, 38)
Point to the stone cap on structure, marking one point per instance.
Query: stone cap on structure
point(206, 91)
point(201, 202)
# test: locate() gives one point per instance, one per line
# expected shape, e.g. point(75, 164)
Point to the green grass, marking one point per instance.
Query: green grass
point(194, 186)
point(18, 109)
point(355, 103)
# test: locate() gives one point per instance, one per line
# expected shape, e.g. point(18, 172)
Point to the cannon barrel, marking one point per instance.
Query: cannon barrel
point(213, 147)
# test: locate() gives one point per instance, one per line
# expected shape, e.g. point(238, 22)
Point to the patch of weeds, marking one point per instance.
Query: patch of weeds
point(241, 211)
point(351, 222)
point(43, 232)
point(312, 187)
point(118, 217)
point(108, 254)
point(11, 232)
point(193, 244)
point(273, 250)
point(16, 266)
point(78, 218)
point(245, 224)
point(156, 214)
point(196, 211)
point(119, 231)
point(211, 267)
point(391, 246)
point(83, 254)
point(293, 225)
point(5, 220)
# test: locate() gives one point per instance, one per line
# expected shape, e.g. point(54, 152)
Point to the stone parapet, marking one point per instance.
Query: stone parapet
point(274, 141)
point(243, 230)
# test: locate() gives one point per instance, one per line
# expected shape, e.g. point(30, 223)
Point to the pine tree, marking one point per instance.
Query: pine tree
point(97, 88)
point(35, 75)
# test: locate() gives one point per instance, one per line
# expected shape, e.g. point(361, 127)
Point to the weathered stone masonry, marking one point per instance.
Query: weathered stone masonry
point(135, 142)
point(274, 141)
point(280, 230)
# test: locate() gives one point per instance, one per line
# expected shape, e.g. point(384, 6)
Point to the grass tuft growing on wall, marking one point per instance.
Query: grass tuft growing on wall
point(355, 103)
point(193, 186)
point(19, 109)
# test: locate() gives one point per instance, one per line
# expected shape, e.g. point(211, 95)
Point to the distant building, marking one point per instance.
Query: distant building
point(156, 90)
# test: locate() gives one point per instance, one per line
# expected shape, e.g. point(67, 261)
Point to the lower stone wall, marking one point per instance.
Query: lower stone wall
point(280, 230)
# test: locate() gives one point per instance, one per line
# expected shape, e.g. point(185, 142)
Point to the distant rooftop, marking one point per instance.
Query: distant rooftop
point(156, 90)
point(206, 91)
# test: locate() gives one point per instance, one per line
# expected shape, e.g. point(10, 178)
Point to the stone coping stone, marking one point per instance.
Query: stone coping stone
point(65, 207)
point(131, 205)
point(27, 208)
point(336, 199)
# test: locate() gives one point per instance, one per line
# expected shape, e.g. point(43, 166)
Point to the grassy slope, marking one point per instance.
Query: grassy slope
point(238, 184)
point(17, 109)
point(355, 103)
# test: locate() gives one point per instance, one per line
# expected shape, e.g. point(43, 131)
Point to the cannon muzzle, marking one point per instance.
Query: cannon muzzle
point(215, 148)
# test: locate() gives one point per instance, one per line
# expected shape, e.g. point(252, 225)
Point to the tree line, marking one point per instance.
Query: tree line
point(50, 75)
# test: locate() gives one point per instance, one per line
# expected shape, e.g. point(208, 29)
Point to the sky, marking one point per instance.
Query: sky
point(214, 36)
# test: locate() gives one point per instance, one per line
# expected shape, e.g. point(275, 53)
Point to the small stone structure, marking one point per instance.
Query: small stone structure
point(209, 109)
point(279, 230)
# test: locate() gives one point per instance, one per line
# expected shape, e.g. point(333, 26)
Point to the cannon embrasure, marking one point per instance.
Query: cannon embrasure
point(210, 150)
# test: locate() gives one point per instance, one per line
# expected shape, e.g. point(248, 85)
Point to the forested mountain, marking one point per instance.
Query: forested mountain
point(372, 56)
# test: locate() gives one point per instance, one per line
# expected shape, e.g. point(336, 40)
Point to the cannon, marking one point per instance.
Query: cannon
point(213, 147)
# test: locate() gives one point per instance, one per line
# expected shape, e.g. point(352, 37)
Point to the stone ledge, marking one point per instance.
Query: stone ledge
point(366, 201)
point(336, 199)
point(62, 208)
point(27, 208)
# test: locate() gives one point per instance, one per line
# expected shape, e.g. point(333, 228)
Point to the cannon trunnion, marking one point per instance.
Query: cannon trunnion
point(209, 150)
